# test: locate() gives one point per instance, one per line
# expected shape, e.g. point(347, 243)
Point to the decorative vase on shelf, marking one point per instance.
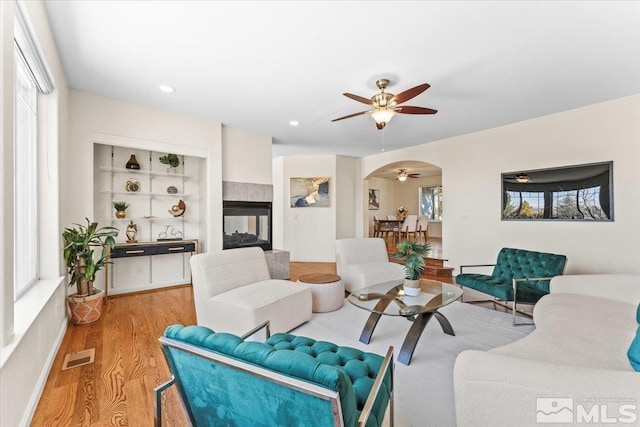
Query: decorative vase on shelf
point(133, 163)
point(121, 214)
point(411, 287)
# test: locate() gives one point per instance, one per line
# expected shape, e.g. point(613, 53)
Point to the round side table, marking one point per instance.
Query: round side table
point(327, 291)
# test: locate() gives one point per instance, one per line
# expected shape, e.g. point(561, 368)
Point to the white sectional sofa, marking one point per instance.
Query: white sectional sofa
point(578, 352)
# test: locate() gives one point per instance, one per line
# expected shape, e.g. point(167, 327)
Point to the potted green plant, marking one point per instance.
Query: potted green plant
point(172, 160)
point(413, 254)
point(80, 243)
point(120, 208)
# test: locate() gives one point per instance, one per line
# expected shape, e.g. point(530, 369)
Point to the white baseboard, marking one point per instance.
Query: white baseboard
point(39, 387)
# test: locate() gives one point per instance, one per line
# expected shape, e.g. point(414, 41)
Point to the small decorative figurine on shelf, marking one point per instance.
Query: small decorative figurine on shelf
point(178, 210)
point(120, 208)
point(133, 163)
point(133, 186)
point(132, 232)
point(169, 234)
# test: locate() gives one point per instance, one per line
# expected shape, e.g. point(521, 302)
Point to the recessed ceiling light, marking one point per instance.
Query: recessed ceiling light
point(166, 89)
point(294, 123)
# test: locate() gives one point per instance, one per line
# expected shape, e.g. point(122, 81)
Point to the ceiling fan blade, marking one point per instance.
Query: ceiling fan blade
point(411, 93)
point(405, 109)
point(358, 98)
point(351, 115)
point(413, 175)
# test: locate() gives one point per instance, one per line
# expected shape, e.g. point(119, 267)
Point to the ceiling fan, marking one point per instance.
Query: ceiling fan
point(521, 178)
point(403, 175)
point(386, 104)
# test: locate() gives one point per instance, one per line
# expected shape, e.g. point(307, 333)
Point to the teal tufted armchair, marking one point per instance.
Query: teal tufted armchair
point(286, 381)
point(518, 275)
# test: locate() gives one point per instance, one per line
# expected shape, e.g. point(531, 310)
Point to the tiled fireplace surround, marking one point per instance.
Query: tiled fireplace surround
point(277, 260)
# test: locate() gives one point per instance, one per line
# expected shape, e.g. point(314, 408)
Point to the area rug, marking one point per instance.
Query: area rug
point(424, 389)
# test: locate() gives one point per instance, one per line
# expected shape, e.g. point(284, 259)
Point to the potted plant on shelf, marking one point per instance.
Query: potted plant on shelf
point(413, 255)
point(79, 245)
point(120, 208)
point(172, 160)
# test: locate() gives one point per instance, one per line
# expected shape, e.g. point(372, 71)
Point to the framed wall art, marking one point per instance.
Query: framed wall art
point(374, 200)
point(309, 192)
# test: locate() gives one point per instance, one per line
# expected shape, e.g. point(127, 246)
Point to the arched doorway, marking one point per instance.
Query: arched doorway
point(419, 193)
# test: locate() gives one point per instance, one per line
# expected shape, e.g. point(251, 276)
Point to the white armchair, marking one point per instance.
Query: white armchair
point(233, 292)
point(363, 262)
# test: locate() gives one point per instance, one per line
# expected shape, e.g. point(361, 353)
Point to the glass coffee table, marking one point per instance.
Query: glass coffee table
point(388, 299)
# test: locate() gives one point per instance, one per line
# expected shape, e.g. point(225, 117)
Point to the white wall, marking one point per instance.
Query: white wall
point(471, 167)
point(30, 343)
point(310, 233)
point(98, 119)
point(246, 156)
point(346, 183)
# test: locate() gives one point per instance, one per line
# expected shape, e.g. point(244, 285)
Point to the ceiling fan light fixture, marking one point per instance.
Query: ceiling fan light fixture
point(402, 176)
point(382, 115)
point(522, 178)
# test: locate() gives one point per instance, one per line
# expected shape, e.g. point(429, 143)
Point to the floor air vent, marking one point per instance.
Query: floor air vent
point(79, 358)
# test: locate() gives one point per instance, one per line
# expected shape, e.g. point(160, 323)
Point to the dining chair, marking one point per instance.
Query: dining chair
point(409, 226)
point(376, 227)
point(423, 225)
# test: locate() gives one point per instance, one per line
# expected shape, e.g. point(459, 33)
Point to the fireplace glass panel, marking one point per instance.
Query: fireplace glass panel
point(247, 224)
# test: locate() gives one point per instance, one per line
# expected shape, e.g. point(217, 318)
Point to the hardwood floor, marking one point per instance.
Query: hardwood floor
point(117, 389)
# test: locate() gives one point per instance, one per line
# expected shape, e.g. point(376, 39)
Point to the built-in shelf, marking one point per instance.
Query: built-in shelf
point(145, 218)
point(146, 172)
point(147, 194)
point(149, 209)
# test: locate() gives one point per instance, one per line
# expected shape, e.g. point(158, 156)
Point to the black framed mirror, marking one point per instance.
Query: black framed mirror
point(569, 193)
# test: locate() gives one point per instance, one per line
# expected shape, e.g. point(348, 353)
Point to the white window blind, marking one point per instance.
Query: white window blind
point(26, 177)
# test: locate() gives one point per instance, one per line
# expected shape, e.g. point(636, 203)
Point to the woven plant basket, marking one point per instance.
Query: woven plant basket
point(85, 309)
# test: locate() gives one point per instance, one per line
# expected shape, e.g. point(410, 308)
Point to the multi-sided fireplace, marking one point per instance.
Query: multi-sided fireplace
point(247, 224)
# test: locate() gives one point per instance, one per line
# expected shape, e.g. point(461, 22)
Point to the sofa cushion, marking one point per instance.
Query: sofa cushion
point(634, 351)
point(286, 304)
point(578, 330)
point(501, 288)
point(360, 367)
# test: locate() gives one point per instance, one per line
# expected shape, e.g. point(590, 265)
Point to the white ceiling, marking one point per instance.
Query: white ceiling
point(258, 65)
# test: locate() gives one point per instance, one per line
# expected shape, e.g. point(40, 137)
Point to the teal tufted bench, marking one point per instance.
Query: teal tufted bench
point(518, 275)
point(286, 381)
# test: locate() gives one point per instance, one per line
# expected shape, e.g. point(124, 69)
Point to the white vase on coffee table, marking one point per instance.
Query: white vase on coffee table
point(411, 287)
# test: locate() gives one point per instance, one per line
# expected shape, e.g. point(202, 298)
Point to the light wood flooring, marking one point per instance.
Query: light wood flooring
point(117, 389)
